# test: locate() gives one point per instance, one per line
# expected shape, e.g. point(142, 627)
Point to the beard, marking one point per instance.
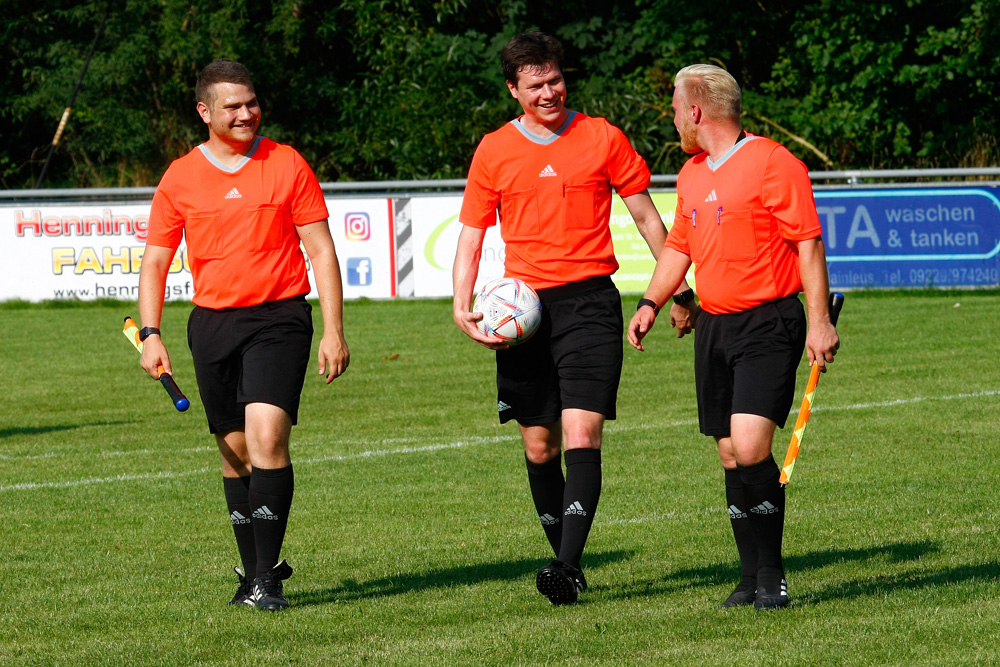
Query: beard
point(689, 138)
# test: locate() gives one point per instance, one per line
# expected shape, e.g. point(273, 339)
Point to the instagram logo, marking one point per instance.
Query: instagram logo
point(357, 227)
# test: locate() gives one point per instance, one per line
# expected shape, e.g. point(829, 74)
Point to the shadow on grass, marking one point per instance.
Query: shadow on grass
point(441, 578)
point(717, 574)
point(884, 584)
point(41, 430)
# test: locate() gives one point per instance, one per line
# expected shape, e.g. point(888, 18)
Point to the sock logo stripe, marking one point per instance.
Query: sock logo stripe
point(263, 512)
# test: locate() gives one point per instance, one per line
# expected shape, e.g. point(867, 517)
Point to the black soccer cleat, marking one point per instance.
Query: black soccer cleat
point(561, 583)
point(774, 598)
point(744, 595)
point(242, 597)
point(268, 593)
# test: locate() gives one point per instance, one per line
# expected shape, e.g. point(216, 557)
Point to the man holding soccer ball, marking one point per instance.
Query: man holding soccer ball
point(549, 174)
point(746, 217)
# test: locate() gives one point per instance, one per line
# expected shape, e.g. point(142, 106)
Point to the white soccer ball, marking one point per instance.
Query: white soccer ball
point(511, 310)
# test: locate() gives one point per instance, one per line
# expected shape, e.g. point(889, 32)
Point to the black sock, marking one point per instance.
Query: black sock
point(270, 499)
point(583, 490)
point(742, 532)
point(237, 490)
point(765, 499)
point(547, 486)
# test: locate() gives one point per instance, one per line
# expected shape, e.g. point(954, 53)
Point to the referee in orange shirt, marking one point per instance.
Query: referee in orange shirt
point(243, 203)
point(747, 219)
point(549, 174)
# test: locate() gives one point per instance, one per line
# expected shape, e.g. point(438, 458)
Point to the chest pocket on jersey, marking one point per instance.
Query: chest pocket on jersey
point(203, 234)
point(267, 227)
point(693, 238)
point(519, 212)
point(737, 241)
point(581, 206)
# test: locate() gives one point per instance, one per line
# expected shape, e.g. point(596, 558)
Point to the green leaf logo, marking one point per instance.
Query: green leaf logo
point(433, 239)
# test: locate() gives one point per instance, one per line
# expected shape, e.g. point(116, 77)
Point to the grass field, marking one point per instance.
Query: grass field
point(412, 533)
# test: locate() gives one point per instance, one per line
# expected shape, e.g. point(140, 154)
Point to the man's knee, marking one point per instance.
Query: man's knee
point(542, 442)
point(751, 438)
point(582, 429)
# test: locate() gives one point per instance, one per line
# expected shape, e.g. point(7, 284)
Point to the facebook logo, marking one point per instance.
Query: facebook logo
point(359, 271)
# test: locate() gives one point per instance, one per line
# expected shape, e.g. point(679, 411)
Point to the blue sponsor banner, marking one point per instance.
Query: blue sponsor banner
point(912, 237)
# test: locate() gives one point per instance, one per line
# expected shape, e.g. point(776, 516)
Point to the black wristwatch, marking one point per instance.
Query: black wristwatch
point(685, 297)
point(650, 303)
point(146, 332)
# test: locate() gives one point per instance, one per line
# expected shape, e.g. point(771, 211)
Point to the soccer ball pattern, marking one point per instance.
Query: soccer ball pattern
point(511, 310)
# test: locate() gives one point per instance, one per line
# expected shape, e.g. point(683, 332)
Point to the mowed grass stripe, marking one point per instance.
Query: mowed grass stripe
point(611, 428)
point(429, 558)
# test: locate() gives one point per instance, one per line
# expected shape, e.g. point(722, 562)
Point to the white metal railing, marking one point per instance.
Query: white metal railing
point(821, 180)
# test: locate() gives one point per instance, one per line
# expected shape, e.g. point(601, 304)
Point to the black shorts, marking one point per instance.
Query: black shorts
point(257, 354)
point(574, 360)
point(745, 363)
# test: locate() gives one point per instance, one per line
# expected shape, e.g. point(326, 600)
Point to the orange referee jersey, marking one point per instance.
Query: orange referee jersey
point(553, 196)
point(239, 223)
point(739, 220)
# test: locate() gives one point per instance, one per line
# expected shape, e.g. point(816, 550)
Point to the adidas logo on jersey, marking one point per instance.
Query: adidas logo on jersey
point(501, 406)
point(547, 519)
point(764, 508)
point(575, 508)
point(264, 513)
point(712, 196)
point(238, 519)
point(736, 513)
point(548, 171)
point(234, 194)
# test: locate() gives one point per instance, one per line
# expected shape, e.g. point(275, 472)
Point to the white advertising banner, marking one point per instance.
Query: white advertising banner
point(80, 251)
point(362, 233)
point(435, 238)
point(94, 251)
point(387, 247)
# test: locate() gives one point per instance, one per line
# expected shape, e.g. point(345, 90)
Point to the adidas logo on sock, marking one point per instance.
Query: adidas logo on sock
point(764, 508)
point(234, 194)
point(575, 508)
point(264, 513)
point(712, 196)
point(547, 519)
point(237, 519)
point(501, 406)
point(736, 513)
point(548, 171)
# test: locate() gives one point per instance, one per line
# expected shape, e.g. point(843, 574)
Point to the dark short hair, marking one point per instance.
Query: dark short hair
point(220, 70)
point(532, 49)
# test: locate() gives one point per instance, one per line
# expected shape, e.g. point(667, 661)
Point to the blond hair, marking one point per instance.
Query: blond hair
point(713, 89)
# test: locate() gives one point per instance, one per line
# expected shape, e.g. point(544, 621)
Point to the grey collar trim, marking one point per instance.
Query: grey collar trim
point(239, 165)
point(713, 165)
point(546, 140)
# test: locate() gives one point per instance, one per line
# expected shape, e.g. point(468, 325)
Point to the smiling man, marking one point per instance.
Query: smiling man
point(747, 218)
point(549, 174)
point(243, 203)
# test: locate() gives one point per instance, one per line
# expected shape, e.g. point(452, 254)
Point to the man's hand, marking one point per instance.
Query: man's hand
point(466, 321)
point(822, 343)
point(334, 357)
point(154, 355)
point(640, 325)
point(682, 318)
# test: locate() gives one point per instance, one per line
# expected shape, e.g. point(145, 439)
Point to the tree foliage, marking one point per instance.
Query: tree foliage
point(404, 89)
